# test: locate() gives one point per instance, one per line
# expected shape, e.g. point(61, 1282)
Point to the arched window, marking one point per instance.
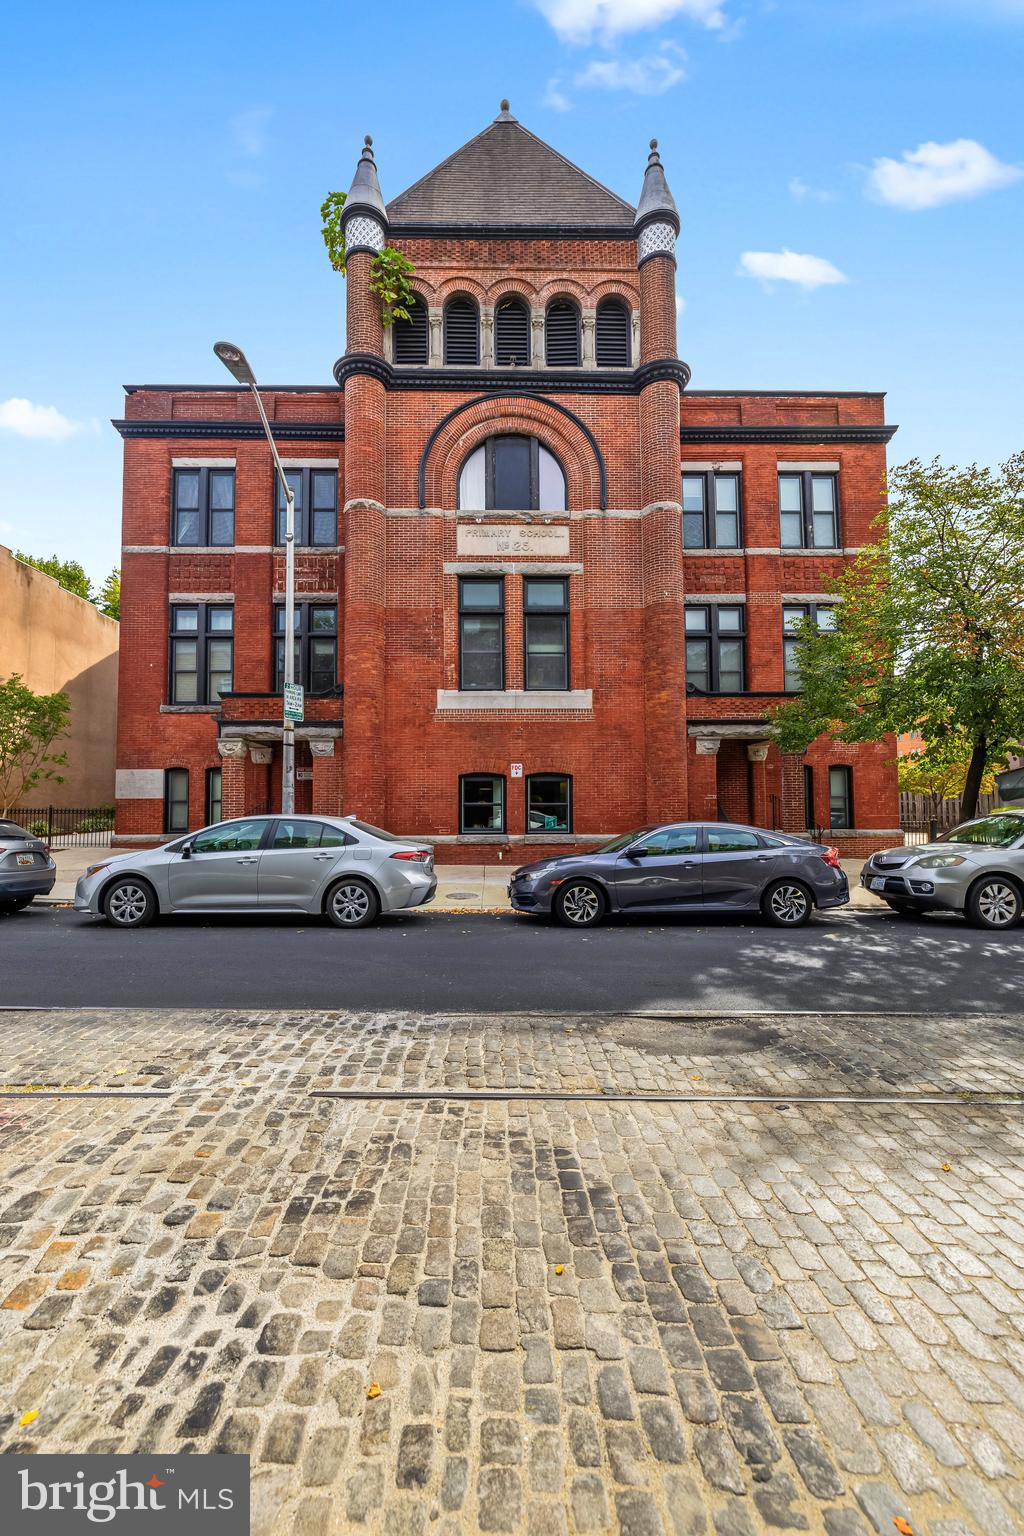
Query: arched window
point(512, 474)
point(461, 331)
point(512, 333)
point(412, 341)
point(612, 332)
point(562, 335)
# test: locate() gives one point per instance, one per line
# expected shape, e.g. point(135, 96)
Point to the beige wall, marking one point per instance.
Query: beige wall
point(58, 641)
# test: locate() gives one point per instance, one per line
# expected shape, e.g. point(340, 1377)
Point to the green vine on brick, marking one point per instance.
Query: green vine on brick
point(389, 271)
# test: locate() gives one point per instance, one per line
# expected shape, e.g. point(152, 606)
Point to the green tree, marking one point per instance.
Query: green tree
point(939, 771)
point(30, 723)
point(108, 599)
point(930, 624)
point(68, 573)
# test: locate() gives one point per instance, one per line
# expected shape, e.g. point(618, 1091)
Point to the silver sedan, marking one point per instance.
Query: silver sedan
point(976, 869)
point(337, 866)
point(26, 868)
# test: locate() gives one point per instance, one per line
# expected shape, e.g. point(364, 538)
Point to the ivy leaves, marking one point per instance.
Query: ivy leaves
point(389, 271)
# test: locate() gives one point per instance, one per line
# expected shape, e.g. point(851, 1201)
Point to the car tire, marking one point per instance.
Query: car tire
point(994, 902)
point(129, 903)
point(352, 903)
point(21, 902)
point(787, 904)
point(579, 904)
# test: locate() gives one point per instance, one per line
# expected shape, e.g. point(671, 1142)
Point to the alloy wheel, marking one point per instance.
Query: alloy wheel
point(127, 905)
point(998, 904)
point(788, 903)
point(581, 904)
point(350, 904)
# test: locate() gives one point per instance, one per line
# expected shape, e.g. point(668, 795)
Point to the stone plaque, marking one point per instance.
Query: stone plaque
point(504, 539)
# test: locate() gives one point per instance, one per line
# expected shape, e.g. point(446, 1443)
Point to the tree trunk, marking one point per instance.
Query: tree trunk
point(975, 774)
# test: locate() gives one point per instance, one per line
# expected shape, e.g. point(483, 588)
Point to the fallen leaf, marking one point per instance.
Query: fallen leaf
point(373, 1390)
point(559, 1269)
point(27, 1418)
point(946, 1167)
point(695, 1078)
point(903, 1526)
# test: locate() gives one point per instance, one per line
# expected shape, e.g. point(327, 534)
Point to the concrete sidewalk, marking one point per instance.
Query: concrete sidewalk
point(460, 887)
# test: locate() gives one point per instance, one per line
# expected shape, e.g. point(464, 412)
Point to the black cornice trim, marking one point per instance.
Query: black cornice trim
point(287, 431)
point(563, 381)
point(513, 231)
point(766, 434)
point(511, 394)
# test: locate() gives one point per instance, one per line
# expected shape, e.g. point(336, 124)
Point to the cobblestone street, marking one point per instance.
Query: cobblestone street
point(536, 1315)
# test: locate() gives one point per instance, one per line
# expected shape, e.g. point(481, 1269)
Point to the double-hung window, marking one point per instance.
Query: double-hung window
point(840, 797)
point(316, 506)
point(711, 510)
point(203, 507)
point(316, 647)
point(715, 645)
point(481, 632)
point(808, 511)
point(214, 780)
point(546, 632)
point(549, 802)
point(202, 652)
point(793, 616)
point(176, 800)
point(482, 802)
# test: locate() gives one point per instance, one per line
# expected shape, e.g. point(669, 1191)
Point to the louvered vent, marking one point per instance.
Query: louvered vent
point(512, 334)
point(562, 335)
point(411, 338)
point(461, 332)
point(613, 338)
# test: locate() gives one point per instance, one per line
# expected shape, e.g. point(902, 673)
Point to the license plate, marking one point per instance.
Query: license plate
point(26, 858)
point(878, 884)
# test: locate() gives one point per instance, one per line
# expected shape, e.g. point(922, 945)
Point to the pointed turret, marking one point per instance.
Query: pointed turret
point(365, 219)
point(657, 207)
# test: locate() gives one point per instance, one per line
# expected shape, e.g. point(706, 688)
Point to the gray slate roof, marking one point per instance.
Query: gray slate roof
point(507, 176)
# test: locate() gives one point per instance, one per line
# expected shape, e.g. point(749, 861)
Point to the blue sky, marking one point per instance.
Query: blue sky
point(848, 175)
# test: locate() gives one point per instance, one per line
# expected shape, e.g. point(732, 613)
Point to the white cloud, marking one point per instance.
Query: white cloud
point(248, 131)
point(802, 193)
point(555, 97)
point(790, 267)
point(939, 173)
point(577, 21)
point(651, 75)
point(25, 419)
point(680, 304)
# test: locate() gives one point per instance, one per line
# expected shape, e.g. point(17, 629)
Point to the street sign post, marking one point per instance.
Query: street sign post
point(294, 702)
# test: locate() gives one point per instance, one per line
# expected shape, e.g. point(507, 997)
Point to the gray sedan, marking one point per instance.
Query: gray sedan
point(26, 869)
point(976, 869)
point(344, 869)
point(687, 867)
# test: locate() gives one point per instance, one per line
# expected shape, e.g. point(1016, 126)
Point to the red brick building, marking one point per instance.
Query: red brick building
point(543, 587)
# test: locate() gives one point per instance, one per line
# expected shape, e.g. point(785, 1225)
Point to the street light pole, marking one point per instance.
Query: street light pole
point(235, 361)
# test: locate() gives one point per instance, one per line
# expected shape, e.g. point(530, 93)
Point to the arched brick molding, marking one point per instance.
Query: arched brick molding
point(558, 428)
point(452, 287)
point(562, 288)
point(614, 288)
point(505, 287)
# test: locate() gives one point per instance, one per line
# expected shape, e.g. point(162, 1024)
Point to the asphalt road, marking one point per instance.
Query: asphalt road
point(498, 962)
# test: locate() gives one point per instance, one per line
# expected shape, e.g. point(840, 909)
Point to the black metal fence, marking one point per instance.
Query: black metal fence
point(67, 827)
point(923, 820)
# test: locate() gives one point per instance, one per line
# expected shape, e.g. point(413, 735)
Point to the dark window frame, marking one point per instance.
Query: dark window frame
point(304, 519)
point(170, 799)
point(204, 512)
point(489, 446)
point(533, 778)
point(569, 303)
point(304, 634)
point(495, 778)
point(790, 637)
point(806, 477)
point(709, 511)
point(203, 634)
point(613, 302)
point(714, 636)
point(475, 612)
point(213, 774)
point(509, 302)
point(561, 610)
point(841, 826)
point(458, 299)
point(808, 797)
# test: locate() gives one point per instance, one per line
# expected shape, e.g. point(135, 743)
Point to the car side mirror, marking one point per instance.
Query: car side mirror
point(186, 850)
point(636, 853)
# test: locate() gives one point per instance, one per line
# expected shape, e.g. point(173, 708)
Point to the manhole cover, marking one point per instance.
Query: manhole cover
point(461, 895)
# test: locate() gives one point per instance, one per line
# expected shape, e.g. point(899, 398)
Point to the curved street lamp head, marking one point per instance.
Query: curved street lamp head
point(235, 361)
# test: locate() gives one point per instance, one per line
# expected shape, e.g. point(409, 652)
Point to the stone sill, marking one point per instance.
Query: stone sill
point(515, 699)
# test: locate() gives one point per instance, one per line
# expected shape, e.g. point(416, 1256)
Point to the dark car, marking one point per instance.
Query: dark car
point(26, 869)
point(686, 867)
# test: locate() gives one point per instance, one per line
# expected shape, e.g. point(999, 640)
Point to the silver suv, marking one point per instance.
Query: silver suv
point(332, 865)
point(976, 869)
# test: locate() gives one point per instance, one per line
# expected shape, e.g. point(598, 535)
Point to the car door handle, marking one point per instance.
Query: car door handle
point(321, 856)
point(249, 859)
point(690, 864)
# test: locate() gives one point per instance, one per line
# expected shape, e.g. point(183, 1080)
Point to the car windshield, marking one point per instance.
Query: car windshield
point(996, 831)
point(618, 843)
point(364, 826)
point(11, 829)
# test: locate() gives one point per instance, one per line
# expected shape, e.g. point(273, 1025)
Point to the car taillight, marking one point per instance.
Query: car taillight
point(416, 855)
point(831, 856)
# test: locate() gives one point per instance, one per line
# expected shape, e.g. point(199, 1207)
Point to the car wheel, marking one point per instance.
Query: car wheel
point(352, 904)
point(787, 904)
point(578, 904)
point(994, 902)
point(129, 903)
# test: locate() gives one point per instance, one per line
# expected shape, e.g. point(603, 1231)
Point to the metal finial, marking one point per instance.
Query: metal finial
point(368, 141)
point(654, 143)
point(504, 104)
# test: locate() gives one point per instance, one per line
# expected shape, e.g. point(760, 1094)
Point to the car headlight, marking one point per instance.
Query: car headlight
point(940, 861)
point(534, 874)
point(94, 869)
